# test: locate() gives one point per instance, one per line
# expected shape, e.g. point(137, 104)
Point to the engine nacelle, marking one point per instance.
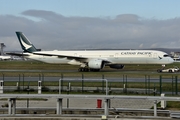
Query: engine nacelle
point(116, 66)
point(95, 64)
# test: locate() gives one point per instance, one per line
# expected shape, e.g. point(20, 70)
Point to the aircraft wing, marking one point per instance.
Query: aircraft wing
point(82, 59)
point(63, 56)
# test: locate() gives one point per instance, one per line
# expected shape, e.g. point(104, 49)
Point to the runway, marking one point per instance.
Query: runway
point(76, 71)
point(110, 79)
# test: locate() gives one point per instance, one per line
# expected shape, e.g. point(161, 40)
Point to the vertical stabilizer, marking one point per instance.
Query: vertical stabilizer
point(26, 45)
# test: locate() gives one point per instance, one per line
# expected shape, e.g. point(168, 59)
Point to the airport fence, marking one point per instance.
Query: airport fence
point(125, 85)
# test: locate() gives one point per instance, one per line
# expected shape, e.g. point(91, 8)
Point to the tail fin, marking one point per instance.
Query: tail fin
point(26, 45)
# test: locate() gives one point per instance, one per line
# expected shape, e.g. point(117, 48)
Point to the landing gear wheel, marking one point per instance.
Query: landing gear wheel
point(95, 70)
point(79, 70)
point(83, 69)
point(159, 70)
point(86, 69)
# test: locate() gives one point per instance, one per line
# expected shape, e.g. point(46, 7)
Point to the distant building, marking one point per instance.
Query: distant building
point(2, 46)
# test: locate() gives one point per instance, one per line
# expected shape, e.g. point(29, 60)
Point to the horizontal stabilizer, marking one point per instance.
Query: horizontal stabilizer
point(17, 54)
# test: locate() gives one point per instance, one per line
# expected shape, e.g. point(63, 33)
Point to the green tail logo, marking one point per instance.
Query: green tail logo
point(26, 45)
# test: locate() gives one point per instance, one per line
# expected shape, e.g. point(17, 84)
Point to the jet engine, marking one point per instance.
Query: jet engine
point(116, 66)
point(95, 64)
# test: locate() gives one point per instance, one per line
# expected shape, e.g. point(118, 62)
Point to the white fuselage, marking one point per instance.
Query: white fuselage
point(113, 56)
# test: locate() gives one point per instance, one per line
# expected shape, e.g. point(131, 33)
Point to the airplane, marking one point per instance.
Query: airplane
point(4, 57)
point(92, 60)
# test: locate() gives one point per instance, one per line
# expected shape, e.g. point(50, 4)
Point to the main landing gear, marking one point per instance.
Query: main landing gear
point(83, 69)
point(87, 70)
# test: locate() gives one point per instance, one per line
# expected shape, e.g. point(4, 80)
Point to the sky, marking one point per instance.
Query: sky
point(91, 24)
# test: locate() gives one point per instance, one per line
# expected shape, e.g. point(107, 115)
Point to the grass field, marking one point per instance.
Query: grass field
point(27, 67)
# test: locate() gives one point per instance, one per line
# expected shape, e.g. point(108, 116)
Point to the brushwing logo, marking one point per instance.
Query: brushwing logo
point(160, 57)
point(25, 44)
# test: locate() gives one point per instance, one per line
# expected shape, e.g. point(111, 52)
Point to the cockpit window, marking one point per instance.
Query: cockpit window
point(166, 55)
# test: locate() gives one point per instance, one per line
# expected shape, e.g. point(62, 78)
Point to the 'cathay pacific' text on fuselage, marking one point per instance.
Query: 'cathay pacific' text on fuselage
point(136, 53)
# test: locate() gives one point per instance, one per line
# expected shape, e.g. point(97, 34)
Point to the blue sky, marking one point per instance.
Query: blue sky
point(91, 24)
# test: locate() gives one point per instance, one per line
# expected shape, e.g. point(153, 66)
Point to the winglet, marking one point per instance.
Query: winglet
point(26, 45)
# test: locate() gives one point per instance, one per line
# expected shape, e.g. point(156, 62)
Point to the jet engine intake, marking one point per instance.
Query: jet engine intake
point(96, 64)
